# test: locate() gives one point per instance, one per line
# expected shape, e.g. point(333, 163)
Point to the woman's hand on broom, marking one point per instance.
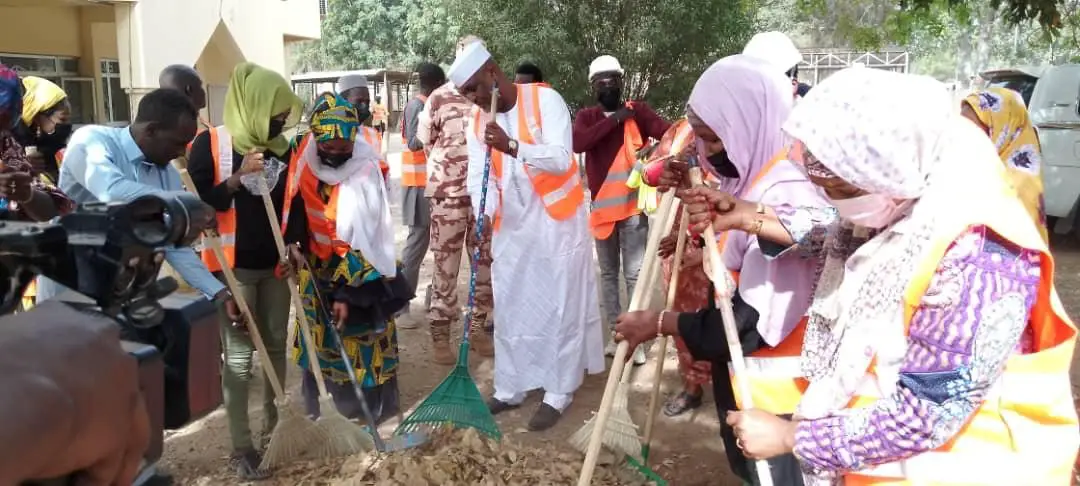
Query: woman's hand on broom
point(762, 435)
point(340, 311)
point(709, 206)
point(640, 326)
point(676, 173)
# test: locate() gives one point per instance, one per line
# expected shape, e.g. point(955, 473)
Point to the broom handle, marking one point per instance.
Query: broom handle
point(618, 364)
point(294, 290)
point(738, 362)
point(233, 284)
point(654, 401)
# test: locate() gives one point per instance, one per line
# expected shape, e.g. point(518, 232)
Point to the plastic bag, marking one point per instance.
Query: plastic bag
point(270, 174)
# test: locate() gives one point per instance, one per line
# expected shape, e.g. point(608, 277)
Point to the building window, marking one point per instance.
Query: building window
point(64, 71)
point(117, 107)
point(323, 8)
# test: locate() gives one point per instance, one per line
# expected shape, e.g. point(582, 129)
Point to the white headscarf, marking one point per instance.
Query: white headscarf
point(897, 135)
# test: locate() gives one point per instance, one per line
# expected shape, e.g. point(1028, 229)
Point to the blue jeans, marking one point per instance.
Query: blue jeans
point(624, 249)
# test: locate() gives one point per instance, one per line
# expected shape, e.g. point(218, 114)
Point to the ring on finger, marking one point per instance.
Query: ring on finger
point(738, 443)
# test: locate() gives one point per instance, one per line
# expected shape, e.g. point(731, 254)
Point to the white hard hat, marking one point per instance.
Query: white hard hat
point(775, 48)
point(604, 64)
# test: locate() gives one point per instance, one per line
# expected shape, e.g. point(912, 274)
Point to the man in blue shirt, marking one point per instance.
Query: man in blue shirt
point(104, 164)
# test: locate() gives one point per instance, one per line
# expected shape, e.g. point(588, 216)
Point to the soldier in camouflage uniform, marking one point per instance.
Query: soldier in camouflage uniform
point(442, 131)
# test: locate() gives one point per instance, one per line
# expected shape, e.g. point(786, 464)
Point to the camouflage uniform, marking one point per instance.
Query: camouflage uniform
point(442, 129)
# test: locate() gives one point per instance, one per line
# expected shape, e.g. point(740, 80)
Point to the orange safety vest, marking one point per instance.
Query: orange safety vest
point(203, 126)
point(374, 138)
point(1026, 430)
point(560, 193)
point(615, 201)
point(413, 164)
point(221, 150)
point(778, 385)
point(321, 215)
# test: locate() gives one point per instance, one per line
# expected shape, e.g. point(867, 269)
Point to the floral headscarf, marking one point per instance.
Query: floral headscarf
point(1006, 118)
point(334, 118)
point(10, 95)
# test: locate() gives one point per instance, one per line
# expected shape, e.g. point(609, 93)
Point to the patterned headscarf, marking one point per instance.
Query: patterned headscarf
point(333, 118)
point(40, 96)
point(10, 94)
point(1003, 113)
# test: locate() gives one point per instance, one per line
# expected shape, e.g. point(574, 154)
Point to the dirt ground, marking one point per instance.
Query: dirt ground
point(687, 450)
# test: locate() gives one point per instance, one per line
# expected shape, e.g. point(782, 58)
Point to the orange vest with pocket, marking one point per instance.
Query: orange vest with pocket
point(413, 164)
point(1026, 431)
point(561, 194)
point(321, 213)
point(615, 201)
point(222, 152)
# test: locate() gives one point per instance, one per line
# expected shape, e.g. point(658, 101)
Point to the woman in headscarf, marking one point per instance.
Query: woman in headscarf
point(347, 243)
point(736, 110)
point(225, 163)
point(44, 125)
point(1001, 114)
point(937, 350)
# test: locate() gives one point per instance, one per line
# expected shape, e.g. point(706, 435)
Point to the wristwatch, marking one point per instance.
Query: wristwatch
point(513, 146)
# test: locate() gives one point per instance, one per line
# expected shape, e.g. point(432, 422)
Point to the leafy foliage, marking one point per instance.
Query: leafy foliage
point(662, 45)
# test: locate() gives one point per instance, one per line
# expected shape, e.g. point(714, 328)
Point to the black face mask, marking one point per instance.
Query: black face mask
point(58, 138)
point(723, 165)
point(609, 98)
point(276, 127)
point(363, 112)
point(334, 160)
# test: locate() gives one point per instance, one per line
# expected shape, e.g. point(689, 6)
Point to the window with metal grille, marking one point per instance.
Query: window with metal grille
point(323, 7)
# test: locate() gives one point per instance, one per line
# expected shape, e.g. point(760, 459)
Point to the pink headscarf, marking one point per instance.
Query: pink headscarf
point(745, 101)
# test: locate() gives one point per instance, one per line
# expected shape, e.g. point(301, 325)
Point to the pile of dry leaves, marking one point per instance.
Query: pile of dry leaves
point(466, 457)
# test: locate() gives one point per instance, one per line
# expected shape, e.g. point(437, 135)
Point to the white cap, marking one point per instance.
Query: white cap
point(775, 48)
point(351, 81)
point(468, 62)
point(604, 64)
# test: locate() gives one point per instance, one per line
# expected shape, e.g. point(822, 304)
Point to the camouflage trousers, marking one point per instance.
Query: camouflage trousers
point(453, 228)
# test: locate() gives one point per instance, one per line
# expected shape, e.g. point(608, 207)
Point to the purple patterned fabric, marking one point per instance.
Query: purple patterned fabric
point(972, 318)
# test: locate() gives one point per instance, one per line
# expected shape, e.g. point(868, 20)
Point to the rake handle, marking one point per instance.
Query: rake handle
point(731, 332)
point(658, 370)
point(618, 366)
point(357, 388)
point(475, 263)
point(214, 240)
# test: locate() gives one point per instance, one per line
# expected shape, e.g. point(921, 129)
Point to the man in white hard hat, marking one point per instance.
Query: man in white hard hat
point(777, 49)
point(547, 328)
point(610, 133)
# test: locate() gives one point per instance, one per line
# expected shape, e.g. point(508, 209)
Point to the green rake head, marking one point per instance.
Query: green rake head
point(645, 471)
point(455, 402)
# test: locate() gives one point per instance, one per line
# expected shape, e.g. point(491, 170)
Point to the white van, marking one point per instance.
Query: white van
point(1052, 94)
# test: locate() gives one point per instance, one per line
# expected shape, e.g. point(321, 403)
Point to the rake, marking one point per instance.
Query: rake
point(457, 401)
point(654, 400)
point(725, 289)
point(294, 433)
point(596, 429)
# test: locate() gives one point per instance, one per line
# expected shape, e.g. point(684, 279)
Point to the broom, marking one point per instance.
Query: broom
point(293, 433)
point(724, 289)
point(341, 437)
point(596, 428)
point(654, 400)
point(457, 401)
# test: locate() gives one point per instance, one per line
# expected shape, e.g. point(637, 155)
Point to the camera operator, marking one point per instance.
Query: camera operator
point(71, 400)
point(104, 164)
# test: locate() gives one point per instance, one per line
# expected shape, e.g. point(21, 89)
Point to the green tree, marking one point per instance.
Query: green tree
point(361, 34)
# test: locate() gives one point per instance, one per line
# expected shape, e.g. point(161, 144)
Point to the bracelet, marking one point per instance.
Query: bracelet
point(755, 228)
point(660, 324)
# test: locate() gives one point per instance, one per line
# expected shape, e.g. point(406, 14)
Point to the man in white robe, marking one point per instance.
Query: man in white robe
point(547, 317)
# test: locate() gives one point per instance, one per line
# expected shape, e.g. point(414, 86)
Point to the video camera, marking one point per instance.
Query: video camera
point(110, 256)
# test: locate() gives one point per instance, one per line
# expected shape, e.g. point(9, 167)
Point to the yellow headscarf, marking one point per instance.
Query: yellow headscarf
point(255, 95)
point(1010, 128)
point(38, 96)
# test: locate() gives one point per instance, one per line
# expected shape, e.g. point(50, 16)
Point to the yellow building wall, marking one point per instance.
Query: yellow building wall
point(40, 30)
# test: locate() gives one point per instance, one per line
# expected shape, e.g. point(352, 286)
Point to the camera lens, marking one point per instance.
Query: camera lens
point(172, 218)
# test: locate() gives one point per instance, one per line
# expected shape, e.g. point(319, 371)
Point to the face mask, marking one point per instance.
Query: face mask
point(723, 164)
point(276, 127)
point(869, 210)
point(363, 112)
point(609, 98)
point(334, 160)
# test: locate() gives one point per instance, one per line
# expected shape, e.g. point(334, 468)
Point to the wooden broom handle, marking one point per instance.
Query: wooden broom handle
point(658, 368)
point(731, 332)
point(214, 240)
point(618, 364)
point(294, 289)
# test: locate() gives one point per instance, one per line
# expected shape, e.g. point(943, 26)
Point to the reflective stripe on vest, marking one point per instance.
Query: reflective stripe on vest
point(616, 201)
point(1025, 432)
point(561, 194)
point(222, 153)
point(374, 138)
point(413, 164)
point(321, 215)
